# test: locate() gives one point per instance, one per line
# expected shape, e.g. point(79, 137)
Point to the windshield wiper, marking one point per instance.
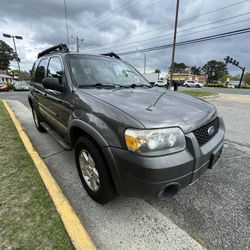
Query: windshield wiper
point(104, 84)
point(134, 85)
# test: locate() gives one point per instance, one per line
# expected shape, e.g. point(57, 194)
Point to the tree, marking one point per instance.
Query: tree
point(179, 68)
point(158, 71)
point(195, 70)
point(6, 55)
point(23, 75)
point(247, 78)
point(215, 70)
point(236, 77)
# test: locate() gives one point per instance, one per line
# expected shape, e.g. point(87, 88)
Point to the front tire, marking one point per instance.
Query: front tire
point(93, 171)
point(37, 121)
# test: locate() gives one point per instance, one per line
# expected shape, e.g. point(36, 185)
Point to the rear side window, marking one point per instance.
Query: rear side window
point(41, 70)
point(55, 69)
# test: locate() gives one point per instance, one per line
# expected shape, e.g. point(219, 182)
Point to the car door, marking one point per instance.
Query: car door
point(191, 83)
point(58, 102)
point(37, 89)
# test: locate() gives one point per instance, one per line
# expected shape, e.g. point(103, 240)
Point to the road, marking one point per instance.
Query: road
point(215, 210)
point(221, 90)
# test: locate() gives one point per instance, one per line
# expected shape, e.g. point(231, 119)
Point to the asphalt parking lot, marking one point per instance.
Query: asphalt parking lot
point(214, 211)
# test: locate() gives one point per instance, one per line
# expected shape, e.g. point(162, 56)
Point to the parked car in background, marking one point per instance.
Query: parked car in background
point(191, 83)
point(230, 85)
point(4, 87)
point(21, 86)
point(161, 83)
point(235, 84)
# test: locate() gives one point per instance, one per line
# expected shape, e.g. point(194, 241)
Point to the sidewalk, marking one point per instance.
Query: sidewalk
point(233, 98)
point(125, 223)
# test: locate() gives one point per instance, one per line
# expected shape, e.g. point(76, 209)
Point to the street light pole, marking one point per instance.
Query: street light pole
point(18, 64)
point(174, 43)
point(15, 37)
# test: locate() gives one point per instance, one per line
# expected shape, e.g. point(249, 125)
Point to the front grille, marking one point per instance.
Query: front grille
point(202, 134)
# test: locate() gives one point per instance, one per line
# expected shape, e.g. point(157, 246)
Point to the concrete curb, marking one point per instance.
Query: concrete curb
point(212, 97)
point(76, 231)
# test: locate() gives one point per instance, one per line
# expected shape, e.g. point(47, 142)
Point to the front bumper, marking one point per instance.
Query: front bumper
point(146, 177)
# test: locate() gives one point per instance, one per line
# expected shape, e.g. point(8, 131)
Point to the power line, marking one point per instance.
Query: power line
point(219, 9)
point(181, 21)
point(170, 33)
point(197, 40)
point(103, 28)
point(191, 33)
point(103, 18)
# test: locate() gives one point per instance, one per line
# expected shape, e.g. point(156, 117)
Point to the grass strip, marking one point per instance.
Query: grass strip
point(28, 219)
point(198, 93)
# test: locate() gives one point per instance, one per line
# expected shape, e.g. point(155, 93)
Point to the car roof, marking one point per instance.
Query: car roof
point(62, 50)
point(76, 53)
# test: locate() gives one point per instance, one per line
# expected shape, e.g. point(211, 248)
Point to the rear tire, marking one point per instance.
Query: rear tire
point(37, 121)
point(198, 86)
point(93, 171)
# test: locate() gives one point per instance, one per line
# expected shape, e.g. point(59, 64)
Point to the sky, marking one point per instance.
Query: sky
point(129, 25)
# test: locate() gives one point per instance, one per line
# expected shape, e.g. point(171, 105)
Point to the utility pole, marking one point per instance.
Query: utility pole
point(15, 37)
point(145, 62)
point(174, 43)
point(66, 21)
point(78, 40)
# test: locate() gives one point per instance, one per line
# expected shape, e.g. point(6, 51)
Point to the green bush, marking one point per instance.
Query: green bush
point(10, 86)
point(215, 85)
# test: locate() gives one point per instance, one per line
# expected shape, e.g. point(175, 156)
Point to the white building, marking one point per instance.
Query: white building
point(5, 78)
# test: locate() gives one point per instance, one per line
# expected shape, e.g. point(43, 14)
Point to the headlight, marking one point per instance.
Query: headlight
point(155, 141)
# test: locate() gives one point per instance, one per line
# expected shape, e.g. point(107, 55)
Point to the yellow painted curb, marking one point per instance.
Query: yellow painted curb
point(77, 233)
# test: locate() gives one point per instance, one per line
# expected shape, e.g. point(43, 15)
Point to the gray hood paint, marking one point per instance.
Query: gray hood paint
point(172, 109)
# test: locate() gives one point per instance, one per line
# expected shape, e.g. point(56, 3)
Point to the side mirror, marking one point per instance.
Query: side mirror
point(53, 84)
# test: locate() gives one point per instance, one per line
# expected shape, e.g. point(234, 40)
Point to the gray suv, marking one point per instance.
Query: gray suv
point(128, 137)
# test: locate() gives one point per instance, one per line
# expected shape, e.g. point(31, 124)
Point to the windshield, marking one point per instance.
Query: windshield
point(88, 70)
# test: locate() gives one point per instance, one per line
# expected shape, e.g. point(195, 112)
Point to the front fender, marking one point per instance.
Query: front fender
point(103, 139)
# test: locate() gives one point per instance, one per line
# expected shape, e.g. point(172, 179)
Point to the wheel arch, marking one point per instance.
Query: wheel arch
point(80, 128)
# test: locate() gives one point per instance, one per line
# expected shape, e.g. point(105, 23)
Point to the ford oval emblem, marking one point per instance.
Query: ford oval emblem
point(211, 130)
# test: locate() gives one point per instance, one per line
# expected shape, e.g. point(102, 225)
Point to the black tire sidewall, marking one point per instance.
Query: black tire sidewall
point(38, 126)
point(106, 189)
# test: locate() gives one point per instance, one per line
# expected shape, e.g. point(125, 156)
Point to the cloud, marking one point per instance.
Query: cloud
point(106, 26)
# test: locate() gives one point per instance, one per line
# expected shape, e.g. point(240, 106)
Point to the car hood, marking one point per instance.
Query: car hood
point(156, 108)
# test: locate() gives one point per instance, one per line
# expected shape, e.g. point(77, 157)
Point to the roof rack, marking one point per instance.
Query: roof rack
point(60, 47)
point(112, 54)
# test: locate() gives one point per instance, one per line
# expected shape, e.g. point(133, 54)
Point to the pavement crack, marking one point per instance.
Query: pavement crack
point(237, 143)
point(56, 153)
